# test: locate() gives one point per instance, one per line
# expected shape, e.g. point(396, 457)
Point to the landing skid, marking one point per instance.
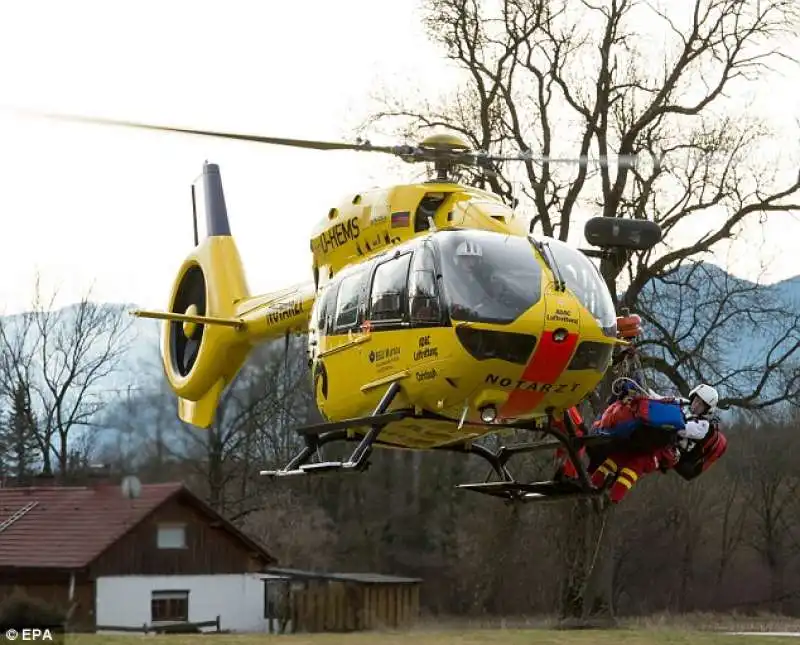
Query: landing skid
point(510, 489)
point(536, 491)
point(316, 436)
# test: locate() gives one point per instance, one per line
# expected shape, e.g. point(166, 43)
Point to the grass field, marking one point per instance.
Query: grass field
point(454, 637)
point(695, 629)
point(667, 629)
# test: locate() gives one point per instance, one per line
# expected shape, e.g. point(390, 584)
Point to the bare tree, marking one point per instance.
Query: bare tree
point(732, 517)
point(251, 430)
point(141, 432)
point(771, 487)
point(300, 538)
point(704, 325)
point(66, 358)
point(566, 79)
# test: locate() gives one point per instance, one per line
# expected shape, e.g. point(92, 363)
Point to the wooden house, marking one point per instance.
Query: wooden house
point(164, 556)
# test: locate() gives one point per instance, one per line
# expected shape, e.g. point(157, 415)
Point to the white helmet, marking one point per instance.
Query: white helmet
point(469, 249)
point(707, 394)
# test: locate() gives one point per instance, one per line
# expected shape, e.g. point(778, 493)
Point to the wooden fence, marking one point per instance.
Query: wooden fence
point(167, 628)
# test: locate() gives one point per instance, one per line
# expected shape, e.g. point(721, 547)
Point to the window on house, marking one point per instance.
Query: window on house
point(171, 536)
point(388, 289)
point(169, 606)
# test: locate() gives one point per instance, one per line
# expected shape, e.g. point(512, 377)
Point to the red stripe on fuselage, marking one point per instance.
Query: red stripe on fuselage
point(545, 366)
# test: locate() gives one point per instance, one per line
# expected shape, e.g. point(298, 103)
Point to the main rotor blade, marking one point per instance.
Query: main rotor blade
point(602, 160)
point(280, 141)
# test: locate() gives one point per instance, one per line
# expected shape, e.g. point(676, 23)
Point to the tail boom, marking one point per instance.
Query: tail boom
point(274, 315)
point(259, 318)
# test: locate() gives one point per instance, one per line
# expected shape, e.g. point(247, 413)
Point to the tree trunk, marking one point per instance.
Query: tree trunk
point(598, 591)
point(215, 475)
point(587, 591)
point(774, 562)
point(587, 582)
point(63, 455)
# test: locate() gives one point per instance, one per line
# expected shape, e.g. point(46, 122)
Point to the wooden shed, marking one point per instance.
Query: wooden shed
point(307, 601)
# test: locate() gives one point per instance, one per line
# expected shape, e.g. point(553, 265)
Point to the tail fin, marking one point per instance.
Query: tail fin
point(212, 323)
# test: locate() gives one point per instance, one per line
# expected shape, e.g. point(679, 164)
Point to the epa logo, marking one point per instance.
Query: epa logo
point(29, 635)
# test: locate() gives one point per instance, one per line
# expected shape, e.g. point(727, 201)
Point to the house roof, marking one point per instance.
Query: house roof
point(362, 578)
point(69, 527)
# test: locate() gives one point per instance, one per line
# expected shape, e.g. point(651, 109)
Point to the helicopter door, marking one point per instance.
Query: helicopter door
point(388, 316)
point(335, 377)
point(319, 341)
point(424, 299)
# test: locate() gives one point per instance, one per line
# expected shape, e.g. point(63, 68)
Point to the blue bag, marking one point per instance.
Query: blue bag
point(666, 415)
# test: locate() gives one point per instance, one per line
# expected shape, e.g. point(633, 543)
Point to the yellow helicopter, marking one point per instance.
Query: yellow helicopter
point(434, 317)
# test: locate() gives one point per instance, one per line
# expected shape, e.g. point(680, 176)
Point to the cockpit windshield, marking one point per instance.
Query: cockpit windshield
point(585, 282)
point(488, 277)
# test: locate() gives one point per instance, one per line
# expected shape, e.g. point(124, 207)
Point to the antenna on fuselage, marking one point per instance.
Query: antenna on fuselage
point(194, 217)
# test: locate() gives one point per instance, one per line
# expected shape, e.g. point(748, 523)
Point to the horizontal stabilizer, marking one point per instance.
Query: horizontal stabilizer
point(203, 320)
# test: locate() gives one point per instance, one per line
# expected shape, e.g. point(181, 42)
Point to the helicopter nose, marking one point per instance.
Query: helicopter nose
point(545, 366)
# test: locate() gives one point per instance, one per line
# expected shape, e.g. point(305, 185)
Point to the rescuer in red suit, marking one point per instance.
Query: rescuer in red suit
point(699, 442)
point(692, 443)
point(627, 468)
point(644, 451)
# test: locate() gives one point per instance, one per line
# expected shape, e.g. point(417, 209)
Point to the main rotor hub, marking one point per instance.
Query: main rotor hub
point(446, 151)
point(445, 142)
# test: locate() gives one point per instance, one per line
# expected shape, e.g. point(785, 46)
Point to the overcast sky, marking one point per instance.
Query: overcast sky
point(89, 204)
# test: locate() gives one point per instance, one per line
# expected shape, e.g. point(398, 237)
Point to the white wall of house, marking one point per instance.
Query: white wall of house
point(125, 601)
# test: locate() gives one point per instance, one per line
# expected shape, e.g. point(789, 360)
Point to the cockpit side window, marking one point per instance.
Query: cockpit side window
point(347, 302)
point(327, 306)
point(389, 290)
point(423, 292)
point(585, 281)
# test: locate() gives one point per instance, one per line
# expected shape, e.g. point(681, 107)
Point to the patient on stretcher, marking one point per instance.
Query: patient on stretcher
point(649, 432)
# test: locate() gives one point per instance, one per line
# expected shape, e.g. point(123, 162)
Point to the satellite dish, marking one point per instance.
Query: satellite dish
point(131, 487)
